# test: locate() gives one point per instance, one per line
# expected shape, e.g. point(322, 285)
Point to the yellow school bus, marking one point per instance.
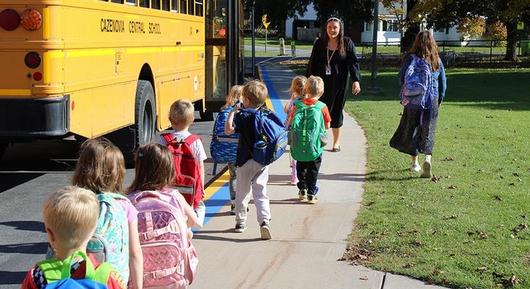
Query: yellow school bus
point(97, 67)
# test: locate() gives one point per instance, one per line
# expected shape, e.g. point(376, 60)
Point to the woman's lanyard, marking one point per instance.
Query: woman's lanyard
point(328, 65)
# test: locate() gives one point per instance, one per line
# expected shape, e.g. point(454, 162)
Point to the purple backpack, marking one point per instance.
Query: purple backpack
point(417, 91)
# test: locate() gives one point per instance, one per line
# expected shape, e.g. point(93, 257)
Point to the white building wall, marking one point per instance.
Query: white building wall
point(310, 14)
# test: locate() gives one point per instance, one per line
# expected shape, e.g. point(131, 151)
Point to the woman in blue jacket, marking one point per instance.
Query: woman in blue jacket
point(415, 133)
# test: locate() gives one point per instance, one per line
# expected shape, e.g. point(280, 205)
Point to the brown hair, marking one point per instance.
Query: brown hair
point(71, 213)
point(255, 92)
point(314, 87)
point(297, 85)
point(100, 168)
point(425, 47)
point(340, 38)
point(233, 96)
point(181, 113)
point(154, 168)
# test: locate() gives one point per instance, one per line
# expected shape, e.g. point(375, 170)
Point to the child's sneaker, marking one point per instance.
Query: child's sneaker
point(312, 199)
point(427, 170)
point(265, 231)
point(302, 195)
point(240, 228)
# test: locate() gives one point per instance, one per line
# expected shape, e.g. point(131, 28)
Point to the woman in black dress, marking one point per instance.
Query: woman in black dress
point(333, 58)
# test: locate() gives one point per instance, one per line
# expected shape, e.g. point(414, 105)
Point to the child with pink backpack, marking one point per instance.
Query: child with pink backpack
point(164, 221)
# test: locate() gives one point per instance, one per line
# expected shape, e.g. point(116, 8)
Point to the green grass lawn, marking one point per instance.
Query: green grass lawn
point(468, 227)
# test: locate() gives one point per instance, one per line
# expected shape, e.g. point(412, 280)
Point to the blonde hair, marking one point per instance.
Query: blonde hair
point(181, 113)
point(255, 92)
point(71, 213)
point(314, 87)
point(425, 47)
point(297, 86)
point(101, 167)
point(233, 96)
point(154, 168)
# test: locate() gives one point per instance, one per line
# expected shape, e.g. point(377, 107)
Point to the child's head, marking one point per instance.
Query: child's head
point(181, 114)
point(233, 96)
point(297, 86)
point(154, 168)
point(254, 94)
point(314, 87)
point(70, 216)
point(101, 167)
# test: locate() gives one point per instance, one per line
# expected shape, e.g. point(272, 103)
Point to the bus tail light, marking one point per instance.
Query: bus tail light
point(37, 76)
point(9, 19)
point(31, 19)
point(32, 60)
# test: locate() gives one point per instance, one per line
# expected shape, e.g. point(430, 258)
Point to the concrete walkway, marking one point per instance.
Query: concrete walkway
point(307, 239)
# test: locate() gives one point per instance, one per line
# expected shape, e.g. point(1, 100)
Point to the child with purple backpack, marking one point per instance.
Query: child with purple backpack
point(164, 220)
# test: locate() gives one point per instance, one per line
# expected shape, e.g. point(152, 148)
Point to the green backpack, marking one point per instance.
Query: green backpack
point(307, 135)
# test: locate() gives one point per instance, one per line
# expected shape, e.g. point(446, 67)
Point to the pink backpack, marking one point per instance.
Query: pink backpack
point(170, 260)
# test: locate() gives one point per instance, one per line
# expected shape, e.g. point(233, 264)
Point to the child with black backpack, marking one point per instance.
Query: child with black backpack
point(223, 148)
point(188, 156)
point(70, 217)
point(251, 174)
point(309, 121)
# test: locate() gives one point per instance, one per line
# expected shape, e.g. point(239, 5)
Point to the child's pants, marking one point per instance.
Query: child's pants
point(232, 182)
point(252, 176)
point(307, 175)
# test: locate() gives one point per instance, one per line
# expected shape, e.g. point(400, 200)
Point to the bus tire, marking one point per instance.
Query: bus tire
point(145, 114)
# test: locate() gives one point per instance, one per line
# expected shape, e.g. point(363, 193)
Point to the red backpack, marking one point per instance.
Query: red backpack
point(187, 168)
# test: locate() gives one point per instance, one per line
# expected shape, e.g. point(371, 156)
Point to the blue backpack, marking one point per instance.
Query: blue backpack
point(417, 91)
point(223, 148)
point(271, 136)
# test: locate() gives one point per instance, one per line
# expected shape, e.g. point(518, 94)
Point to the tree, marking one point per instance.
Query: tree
point(277, 10)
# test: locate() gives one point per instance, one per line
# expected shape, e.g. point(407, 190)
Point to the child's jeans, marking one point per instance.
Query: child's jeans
point(232, 183)
point(307, 175)
point(252, 176)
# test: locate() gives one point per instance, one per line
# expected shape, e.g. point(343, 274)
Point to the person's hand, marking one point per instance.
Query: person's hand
point(355, 88)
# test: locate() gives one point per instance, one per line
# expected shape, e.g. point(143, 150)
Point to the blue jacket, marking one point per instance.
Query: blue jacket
point(439, 81)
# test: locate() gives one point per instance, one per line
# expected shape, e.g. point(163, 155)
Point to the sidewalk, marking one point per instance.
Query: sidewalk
point(307, 239)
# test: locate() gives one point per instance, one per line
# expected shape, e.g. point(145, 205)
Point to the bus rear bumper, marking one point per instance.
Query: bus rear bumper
point(34, 118)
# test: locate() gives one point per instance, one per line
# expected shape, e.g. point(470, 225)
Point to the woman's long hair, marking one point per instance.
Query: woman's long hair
point(154, 168)
point(340, 37)
point(425, 47)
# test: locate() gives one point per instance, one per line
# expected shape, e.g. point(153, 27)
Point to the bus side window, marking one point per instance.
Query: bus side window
point(175, 5)
point(198, 7)
point(165, 5)
point(155, 4)
point(131, 2)
point(144, 3)
point(191, 6)
point(117, 1)
point(183, 6)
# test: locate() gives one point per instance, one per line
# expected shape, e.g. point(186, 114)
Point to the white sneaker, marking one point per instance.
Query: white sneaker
point(427, 170)
point(415, 168)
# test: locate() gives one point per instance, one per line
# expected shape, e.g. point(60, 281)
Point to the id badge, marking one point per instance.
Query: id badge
point(328, 69)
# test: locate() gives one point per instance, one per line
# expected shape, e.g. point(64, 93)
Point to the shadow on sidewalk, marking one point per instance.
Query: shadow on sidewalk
point(11, 278)
point(342, 177)
point(204, 235)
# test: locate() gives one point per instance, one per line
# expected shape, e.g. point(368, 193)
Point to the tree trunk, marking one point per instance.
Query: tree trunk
point(511, 45)
point(412, 29)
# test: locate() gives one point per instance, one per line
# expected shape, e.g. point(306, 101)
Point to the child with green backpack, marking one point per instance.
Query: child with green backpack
point(70, 217)
point(309, 120)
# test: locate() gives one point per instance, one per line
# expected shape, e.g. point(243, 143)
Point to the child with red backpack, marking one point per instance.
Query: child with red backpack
point(188, 156)
point(164, 220)
point(70, 217)
point(309, 120)
point(101, 169)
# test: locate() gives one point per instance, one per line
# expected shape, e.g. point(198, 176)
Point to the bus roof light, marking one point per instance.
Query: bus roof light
point(32, 60)
point(9, 19)
point(31, 19)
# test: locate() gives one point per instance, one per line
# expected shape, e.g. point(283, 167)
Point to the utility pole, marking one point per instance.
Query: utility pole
point(373, 87)
point(253, 27)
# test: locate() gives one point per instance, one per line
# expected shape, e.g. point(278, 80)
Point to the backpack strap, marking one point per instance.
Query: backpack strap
point(168, 137)
point(191, 139)
point(102, 273)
